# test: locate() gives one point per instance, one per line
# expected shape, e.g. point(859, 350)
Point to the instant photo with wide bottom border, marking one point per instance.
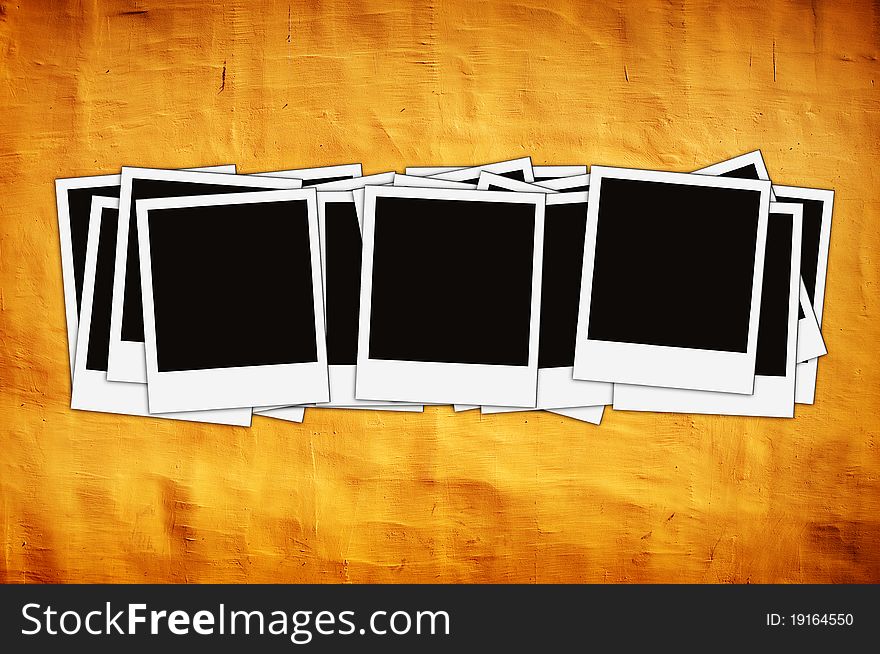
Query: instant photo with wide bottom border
point(671, 288)
point(431, 243)
point(127, 359)
point(777, 339)
point(73, 197)
point(91, 390)
point(233, 300)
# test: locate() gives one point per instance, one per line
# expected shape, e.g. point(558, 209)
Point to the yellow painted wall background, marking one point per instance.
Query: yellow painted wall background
point(88, 86)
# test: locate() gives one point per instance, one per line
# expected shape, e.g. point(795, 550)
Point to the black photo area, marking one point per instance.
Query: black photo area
point(513, 174)
point(143, 189)
point(564, 233)
point(343, 251)
point(812, 212)
point(772, 347)
point(323, 180)
point(79, 205)
point(749, 171)
point(232, 286)
point(102, 299)
point(452, 281)
point(573, 189)
point(674, 265)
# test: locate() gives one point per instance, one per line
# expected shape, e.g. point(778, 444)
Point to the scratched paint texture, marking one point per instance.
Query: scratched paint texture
point(368, 497)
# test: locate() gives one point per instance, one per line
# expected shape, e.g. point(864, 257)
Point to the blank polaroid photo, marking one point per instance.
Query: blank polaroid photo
point(127, 362)
point(777, 339)
point(317, 176)
point(341, 247)
point(751, 166)
point(671, 288)
point(233, 300)
point(73, 197)
point(574, 183)
point(818, 206)
point(520, 169)
point(565, 223)
point(429, 244)
point(590, 414)
point(91, 389)
point(546, 173)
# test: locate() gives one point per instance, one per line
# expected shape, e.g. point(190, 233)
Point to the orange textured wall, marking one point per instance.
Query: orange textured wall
point(357, 496)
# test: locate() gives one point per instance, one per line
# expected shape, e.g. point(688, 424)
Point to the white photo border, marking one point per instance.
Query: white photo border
point(351, 171)
point(652, 365)
point(437, 382)
point(245, 386)
point(565, 183)
point(523, 164)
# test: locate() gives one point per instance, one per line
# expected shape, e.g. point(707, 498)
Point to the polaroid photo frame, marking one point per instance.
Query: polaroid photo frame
point(91, 390)
point(573, 183)
point(73, 198)
point(661, 303)
point(751, 166)
point(565, 221)
point(520, 169)
point(818, 207)
point(590, 414)
point(777, 339)
point(127, 362)
point(546, 173)
point(206, 262)
point(316, 176)
point(487, 352)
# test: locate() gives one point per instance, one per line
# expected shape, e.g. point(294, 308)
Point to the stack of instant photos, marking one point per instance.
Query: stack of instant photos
point(208, 296)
